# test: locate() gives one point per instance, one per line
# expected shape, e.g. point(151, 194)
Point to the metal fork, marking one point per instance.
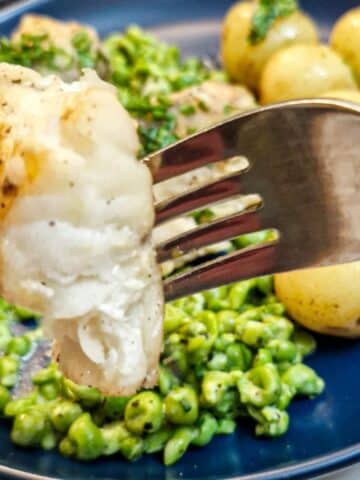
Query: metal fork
point(304, 162)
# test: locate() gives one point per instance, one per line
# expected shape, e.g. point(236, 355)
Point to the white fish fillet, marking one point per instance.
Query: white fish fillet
point(76, 220)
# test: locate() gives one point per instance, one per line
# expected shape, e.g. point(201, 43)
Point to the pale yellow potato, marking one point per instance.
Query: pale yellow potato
point(243, 61)
point(303, 71)
point(349, 95)
point(345, 39)
point(325, 299)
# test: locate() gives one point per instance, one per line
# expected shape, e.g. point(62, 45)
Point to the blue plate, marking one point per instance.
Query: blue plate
point(324, 434)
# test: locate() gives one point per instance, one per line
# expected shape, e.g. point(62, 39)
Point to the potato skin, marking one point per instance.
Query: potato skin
point(303, 71)
point(242, 60)
point(349, 95)
point(326, 300)
point(345, 39)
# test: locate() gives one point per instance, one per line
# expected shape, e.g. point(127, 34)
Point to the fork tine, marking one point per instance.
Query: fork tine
point(193, 152)
point(196, 198)
point(230, 268)
point(305, 164)
point(219, 230)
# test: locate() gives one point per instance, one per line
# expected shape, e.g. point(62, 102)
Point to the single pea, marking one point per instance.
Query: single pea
point(30, 427)
point(239, 356)
point(283, 367)
point(174, 318)
point(303, 380)
point(204, 215)
point(217, 299)
point(89, 397)
point(113, 434)
point(179, 303)
point(49, 440)
point(155, 442)
point(273, 307)
point(177, 445)
point(174, 339)
point(262, 357)
point(194, 303)
point(273, 422)
point(206, 428)
point(132, 447)
point(282, 350)
point(260, 386)
point(286, 395)
point(226, 426)
point(219, 361)
point(265, 284)
point(235, 376)
point(305, 342)
point(18, 346)
point(228, 405)
point(199, 345)
point(63, 414)
point(254, 238)
point(4, 398)
point(254, 334)
point(250, 313)
point(144, 413)
point(269, 300)
point(182, 406)
point(226, 320)
point(210, 321)
point(239, 293)
point(49, 390)
point(167, 380)
point(280, 327)
point(114, 407)
point(175, 357)
point(5, 335)
point(198, 349)
point(214, 386)
point(223, 341)
point(86, 439)
point(67, 448)
point(9, 366)
point(48, 374)
point(19, 405)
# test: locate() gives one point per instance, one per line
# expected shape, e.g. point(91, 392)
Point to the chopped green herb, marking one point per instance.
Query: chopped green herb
point(202, 105)
point(228, 109)
point(145, 72)
point(38, 52)
point(34, 51)
point(85, 56)
point(266, 13)
point(187, 109)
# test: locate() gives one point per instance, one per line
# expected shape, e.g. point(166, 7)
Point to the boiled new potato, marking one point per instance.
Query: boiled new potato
point(302, 71)
point(345, 39)
point(349, 95)
point(244, 61)
point(325, 299)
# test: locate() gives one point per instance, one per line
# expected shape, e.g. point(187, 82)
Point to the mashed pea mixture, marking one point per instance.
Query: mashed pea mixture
point(228, 353)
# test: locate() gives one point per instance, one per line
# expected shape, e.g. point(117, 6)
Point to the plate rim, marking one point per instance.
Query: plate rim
point(317, 466)
point(320, 465)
